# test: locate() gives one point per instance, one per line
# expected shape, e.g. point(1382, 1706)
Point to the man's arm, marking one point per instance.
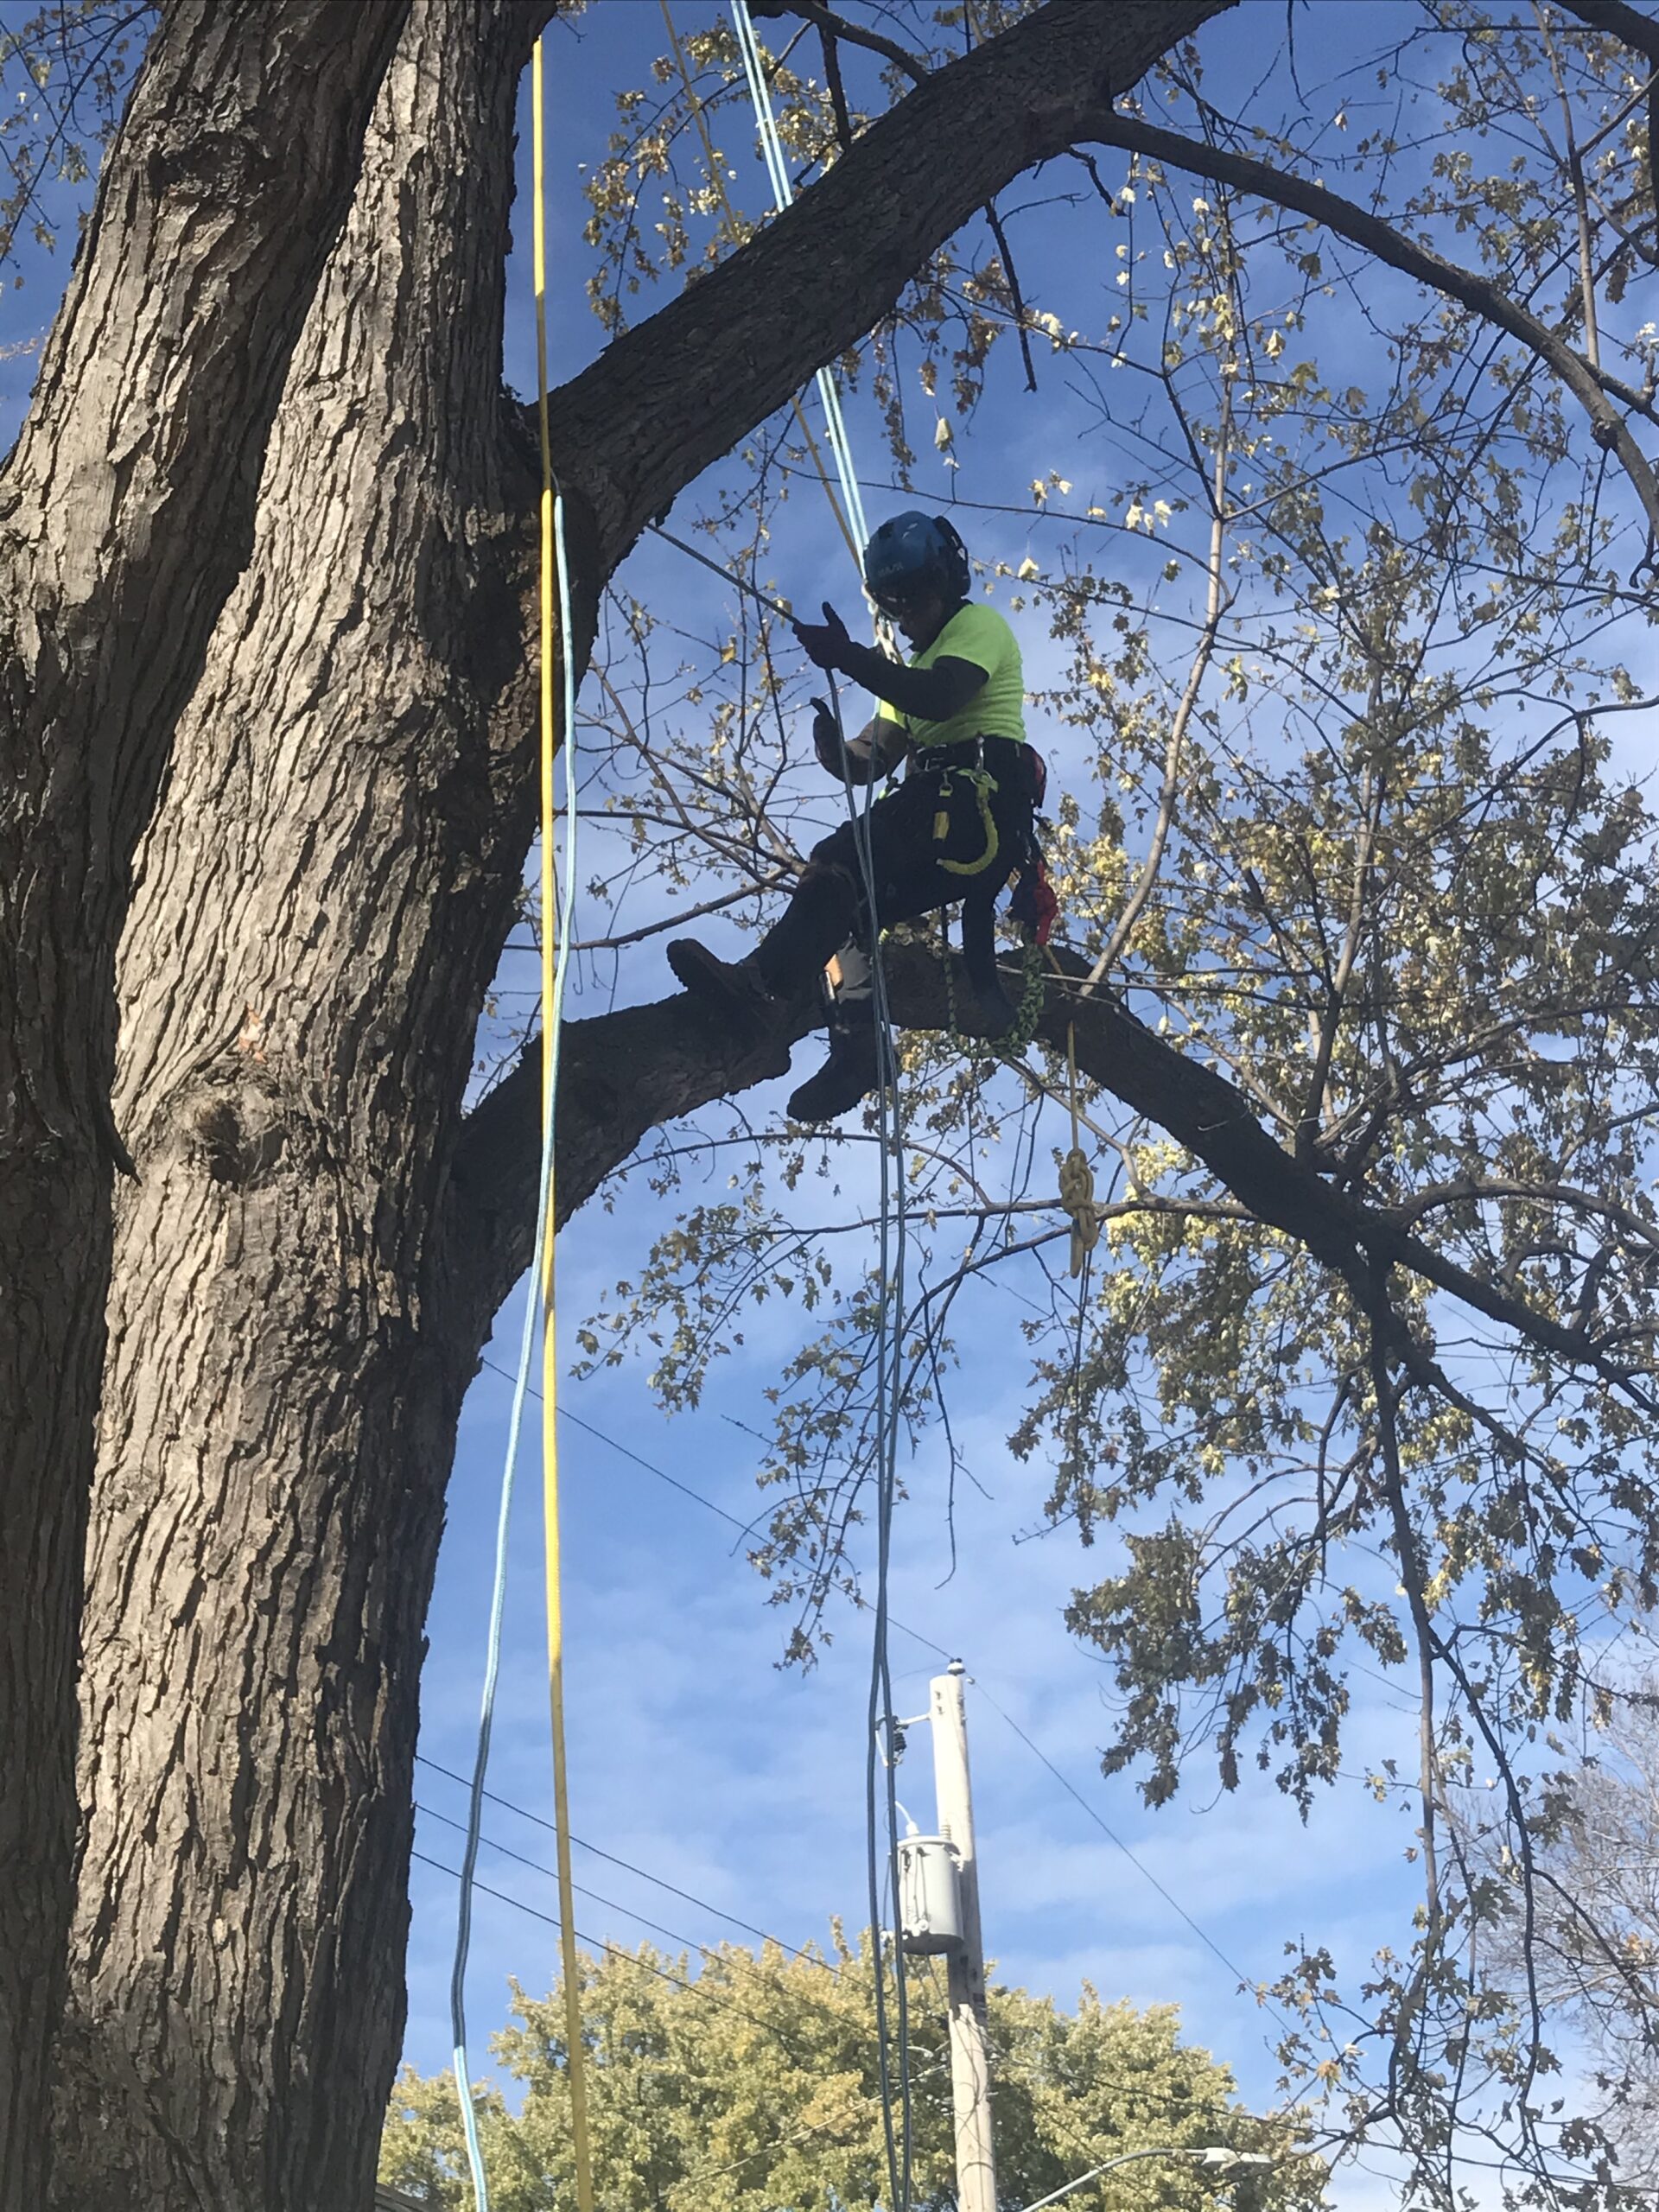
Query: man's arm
point(874, 752)
point(932, 695)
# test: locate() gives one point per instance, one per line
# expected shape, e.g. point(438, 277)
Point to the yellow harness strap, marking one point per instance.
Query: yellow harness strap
point(984, 783)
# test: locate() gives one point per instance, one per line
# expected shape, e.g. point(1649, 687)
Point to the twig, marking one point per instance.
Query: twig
point(1125, 921)
point(1350, 220)
point(837, 89)
point(685, 914)
point(1013, 275)
point(1313, 1114)
point(837, 27)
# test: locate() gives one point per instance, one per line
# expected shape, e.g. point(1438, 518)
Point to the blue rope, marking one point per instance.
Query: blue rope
point(889, 1382)
point(486, 1718)
point(890, 1313)
point(772, 146)
point(553, 1018)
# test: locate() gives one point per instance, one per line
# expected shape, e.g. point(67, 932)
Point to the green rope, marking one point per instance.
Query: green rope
point(1012, 1044)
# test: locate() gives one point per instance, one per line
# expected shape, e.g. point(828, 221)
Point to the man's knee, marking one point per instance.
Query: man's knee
point(827, 875)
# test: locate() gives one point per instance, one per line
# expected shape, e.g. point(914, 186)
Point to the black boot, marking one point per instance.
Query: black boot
point(994, 1010)
point(851, 1073)
point(734, 987)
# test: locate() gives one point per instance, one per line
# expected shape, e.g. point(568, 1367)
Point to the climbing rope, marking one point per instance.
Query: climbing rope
point(717, 185)
point(891, 1261)
point(1076, 1176)
point(778, 169)
point(557, 909)
point(555, 966)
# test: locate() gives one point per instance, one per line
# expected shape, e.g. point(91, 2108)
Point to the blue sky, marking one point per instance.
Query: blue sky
point(693, 1757)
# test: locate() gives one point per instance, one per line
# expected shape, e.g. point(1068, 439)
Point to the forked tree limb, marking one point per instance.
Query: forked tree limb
point(1641, 33)
point(125, 507)
point(628, 1072)
point(1620, 21)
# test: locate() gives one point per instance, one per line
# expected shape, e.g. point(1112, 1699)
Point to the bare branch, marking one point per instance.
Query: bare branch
point(1119, 941)
point(673, 394)
point(834, 27)
point(1350, 220)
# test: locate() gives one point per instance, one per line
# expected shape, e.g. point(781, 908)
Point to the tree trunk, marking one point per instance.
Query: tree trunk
point(282, 1392)
point(125, 508)
point(297, 1298)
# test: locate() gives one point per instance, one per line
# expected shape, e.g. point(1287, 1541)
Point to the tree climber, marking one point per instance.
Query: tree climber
point(959, 826)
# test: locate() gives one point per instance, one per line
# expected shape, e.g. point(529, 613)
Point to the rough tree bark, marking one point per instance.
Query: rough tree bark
point(324, 890)
point(322, 899)
point(125, 508)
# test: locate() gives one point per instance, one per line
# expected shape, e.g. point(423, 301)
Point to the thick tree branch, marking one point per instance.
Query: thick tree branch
point(673, 395)
point(1620, 21)
point(627, 1073)
point(1350, 220)
point(127, 501)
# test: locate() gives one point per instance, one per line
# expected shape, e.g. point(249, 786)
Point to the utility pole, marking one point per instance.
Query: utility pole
point(970, 2071)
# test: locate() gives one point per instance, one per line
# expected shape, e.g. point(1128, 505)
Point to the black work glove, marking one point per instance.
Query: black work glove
point(826, 736)
point(827, 644)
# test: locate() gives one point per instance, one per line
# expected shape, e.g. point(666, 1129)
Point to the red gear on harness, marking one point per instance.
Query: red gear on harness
point(1033, 905)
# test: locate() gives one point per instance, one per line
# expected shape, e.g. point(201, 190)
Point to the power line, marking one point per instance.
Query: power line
point(615, 1951)
point(627, 1866)
point(612, 1905)
point(1070, 1787)
point(743, 1528)
point(1125, 2085)
point(674, 1934)
point(1112, 1836)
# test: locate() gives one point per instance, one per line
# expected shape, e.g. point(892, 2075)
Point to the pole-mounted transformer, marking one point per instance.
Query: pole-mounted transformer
point(929, 1896)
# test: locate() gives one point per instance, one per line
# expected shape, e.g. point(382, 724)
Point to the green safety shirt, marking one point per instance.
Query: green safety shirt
point(980, 635)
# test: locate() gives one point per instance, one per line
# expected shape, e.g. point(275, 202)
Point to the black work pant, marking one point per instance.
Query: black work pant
point(906, 861)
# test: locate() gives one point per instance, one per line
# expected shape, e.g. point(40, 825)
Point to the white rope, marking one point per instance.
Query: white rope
point(891, 1325)
point(771, 146)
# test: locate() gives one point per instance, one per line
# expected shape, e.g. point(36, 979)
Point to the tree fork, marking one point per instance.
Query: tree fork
point(701, 372)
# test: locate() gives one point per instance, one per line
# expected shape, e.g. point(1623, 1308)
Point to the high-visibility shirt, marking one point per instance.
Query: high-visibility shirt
point(979, 634)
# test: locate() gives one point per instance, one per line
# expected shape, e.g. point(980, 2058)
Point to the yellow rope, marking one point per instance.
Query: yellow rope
point(711, 163)
point(575, 2057)
point(1076, 1176)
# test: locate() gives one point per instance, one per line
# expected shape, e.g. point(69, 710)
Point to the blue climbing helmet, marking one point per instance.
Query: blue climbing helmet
point(913, 553)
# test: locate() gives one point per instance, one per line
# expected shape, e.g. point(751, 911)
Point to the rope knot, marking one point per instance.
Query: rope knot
point(1078, 1196)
